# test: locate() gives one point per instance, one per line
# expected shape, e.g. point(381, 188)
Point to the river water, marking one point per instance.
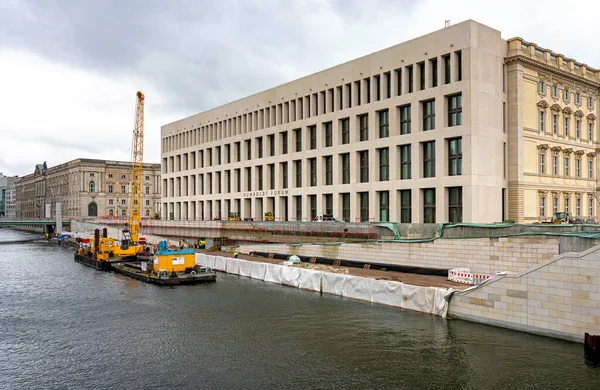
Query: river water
point(66, 326)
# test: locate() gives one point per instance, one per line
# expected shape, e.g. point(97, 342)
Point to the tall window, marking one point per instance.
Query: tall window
point(454, 110)
point(590, 169)
point(346, 168)
point(405, 162)
point(567, 201)
point(364, 206)
point(578, 128)
point(298, 139)
point(429, 159)
point(555, 91)
point(328, 134)
point(298, 201)
point(566, 94)
point(566, 127)
point(455, 156)
point(249, 149)
point(345, 131)
point(566, 166)
point(447, 69)
point(271, 145)
point(578, 206)
point(364, 166)
point(284, 142)
point(312, 131)
point(542, 206)
point(284, 174)
point(110, 189)
point(555, 165)
point(459, 64)
point(590, 131)
point(541, 87)
point(542, 116)
point(92, 186)
point(405, 119)
point(455, 204)
point(384, 128)
point(577, 167)
point(248, 179)
point(328, 170)
point(590, 102)
point(577, 98)
point(329, 203)
point(422, 76)
point(271, 177)
point(542, 163)
point(591, 207)
point(429, 205)
point(434, 73)
point(384, 206)
point(298, 164)
point(554, 124)
point(409, 69)
point(259, 146)
point(313, 171)
point(384, 164)
point(398, 81)
point(346, 207)
point(405, 206)
point(554, 204)
point(238, 152)
point(364, 127)
point(122, 189)
point(429, 115)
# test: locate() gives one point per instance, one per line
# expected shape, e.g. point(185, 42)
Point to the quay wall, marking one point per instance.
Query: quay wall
point(481, 255)
point(559, 298)
point(429, 300)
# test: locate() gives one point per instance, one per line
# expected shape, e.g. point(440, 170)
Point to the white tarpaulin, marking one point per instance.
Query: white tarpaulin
point(290, 276)
point(386, 292)
point(233, 266)
point(417, 298)
point(273, 273)
point(333, 283)
point(205, 260)
point(357, 287)
point(245, 268)
point(440, 304)
point(310, 279)
point(220, 263)
point(258, 270)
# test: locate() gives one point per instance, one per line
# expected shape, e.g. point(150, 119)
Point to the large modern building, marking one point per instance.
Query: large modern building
point(85, 188)
point(457, 125)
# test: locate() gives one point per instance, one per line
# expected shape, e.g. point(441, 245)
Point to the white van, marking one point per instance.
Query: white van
point(324, 218)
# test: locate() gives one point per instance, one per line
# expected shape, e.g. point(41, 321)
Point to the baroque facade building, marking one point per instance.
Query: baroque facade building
point(85, 188)
point(442, 128)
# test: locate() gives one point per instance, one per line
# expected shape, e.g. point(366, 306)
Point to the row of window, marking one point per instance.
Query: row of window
point(92, 188)
point(555, 169)
point(383, 86)
point(566, 94)
point(405, 198)
point(428, 163)
point(578, 210)
point(188, 160)
point(565, 126)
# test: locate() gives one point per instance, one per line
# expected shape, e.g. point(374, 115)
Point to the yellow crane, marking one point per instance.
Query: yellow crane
point(137, 159)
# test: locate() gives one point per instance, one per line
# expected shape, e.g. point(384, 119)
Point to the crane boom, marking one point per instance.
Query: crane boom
point(137, 157)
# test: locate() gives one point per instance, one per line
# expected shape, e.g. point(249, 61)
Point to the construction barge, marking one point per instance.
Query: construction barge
point(163, 267)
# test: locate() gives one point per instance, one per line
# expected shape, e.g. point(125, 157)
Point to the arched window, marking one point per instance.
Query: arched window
point(92, 186)
point(111, 212)
point(92, 209)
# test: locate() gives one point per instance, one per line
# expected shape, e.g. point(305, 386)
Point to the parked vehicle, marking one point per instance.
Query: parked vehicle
point(234, 216)
point(324, 218)
point(269, 216)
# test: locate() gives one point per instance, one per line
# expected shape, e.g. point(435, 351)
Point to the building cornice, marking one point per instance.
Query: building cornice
point(520, 58)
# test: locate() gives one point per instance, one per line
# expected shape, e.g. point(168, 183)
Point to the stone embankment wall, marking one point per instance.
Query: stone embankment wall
point(481, 255)
point(559, 298)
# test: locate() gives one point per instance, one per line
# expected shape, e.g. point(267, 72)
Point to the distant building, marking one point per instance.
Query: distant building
point(86, 188)
point(11, 202)
point(457, 125)
point(5, 183)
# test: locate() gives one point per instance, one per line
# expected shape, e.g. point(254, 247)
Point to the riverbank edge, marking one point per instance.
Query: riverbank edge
point(430, 300)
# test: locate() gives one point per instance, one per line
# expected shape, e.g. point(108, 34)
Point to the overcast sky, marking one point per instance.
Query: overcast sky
point(69, 69)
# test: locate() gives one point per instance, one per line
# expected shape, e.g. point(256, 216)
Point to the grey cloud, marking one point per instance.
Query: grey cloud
point(197, 53)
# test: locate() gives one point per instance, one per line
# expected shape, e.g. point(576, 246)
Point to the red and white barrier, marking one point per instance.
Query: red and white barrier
point(464, 275)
